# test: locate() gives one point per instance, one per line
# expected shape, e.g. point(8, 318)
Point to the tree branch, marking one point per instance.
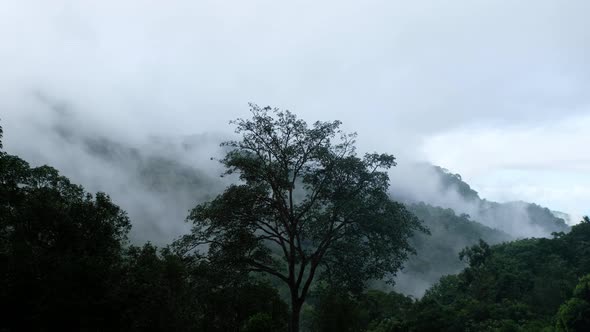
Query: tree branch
point(258, 267)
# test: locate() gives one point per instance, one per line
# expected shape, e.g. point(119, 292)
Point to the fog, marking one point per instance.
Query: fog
point(154, 82)
point(158, 179)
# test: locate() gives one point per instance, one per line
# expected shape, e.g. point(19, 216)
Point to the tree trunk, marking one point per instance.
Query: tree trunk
point(294, 321)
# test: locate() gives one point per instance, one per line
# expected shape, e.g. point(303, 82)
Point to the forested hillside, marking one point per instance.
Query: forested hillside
point(525, 285)
point(66, 262)
point(437, 253)
point(440, 187)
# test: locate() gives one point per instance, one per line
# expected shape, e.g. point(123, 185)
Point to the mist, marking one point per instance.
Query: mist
point(416, 80)
point(484, 105)
point(135, 103)
point(158, 179)
point(420, 182)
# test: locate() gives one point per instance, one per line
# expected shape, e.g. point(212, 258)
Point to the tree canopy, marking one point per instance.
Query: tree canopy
point(307, 205)
point(59, 248)
point(307, 220)
point(66, 264)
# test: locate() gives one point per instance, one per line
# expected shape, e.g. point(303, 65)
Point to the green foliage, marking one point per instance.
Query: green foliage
point(231, 303)
point(154, 292)
point(476, 255)
point(65, 265)
point(307, 205)
point(454, 181)
point(338, 310)
point(582, 290)
point(512, 286)
point(162, 291)
point(59, 249)
point(437, 253)
point(259, 322)
point(574, 315)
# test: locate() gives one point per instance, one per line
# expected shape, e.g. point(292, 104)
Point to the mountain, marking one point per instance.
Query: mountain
point(458, 217)
point(179, 187)
point(437, 253)
point(509, 217)
point(158, 181)
point(437, 186)
point(517, 286)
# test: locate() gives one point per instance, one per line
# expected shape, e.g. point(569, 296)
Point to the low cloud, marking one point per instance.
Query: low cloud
point(413, 78)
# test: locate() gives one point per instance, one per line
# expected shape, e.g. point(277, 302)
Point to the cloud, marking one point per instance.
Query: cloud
point(410, 77)
point(546, 163)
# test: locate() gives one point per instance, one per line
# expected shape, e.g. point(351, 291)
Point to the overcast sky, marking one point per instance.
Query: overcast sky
point(498, 91)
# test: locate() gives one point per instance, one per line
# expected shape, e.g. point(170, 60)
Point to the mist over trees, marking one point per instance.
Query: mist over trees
point(341, 224)
point(306, 239)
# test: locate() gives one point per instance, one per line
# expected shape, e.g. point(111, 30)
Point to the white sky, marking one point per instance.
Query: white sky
point(497, 91)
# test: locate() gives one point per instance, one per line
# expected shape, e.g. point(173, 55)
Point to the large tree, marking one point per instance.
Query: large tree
point(59, 251)
point(306, 206)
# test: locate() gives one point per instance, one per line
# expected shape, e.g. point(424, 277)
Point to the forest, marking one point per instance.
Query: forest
point(307, 237)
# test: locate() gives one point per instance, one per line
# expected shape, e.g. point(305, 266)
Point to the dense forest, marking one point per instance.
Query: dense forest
point(309, 237)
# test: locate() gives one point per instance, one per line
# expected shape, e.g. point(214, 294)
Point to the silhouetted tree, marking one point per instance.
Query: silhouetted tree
point(307, 205)
point(59, 250)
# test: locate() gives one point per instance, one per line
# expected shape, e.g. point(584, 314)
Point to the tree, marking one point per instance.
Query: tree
point(306, 206)
point(59, 250)
point(372, 310)
point(154, 293)
point(574, 315)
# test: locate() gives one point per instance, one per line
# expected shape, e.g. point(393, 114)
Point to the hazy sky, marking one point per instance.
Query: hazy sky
point(498, 91)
